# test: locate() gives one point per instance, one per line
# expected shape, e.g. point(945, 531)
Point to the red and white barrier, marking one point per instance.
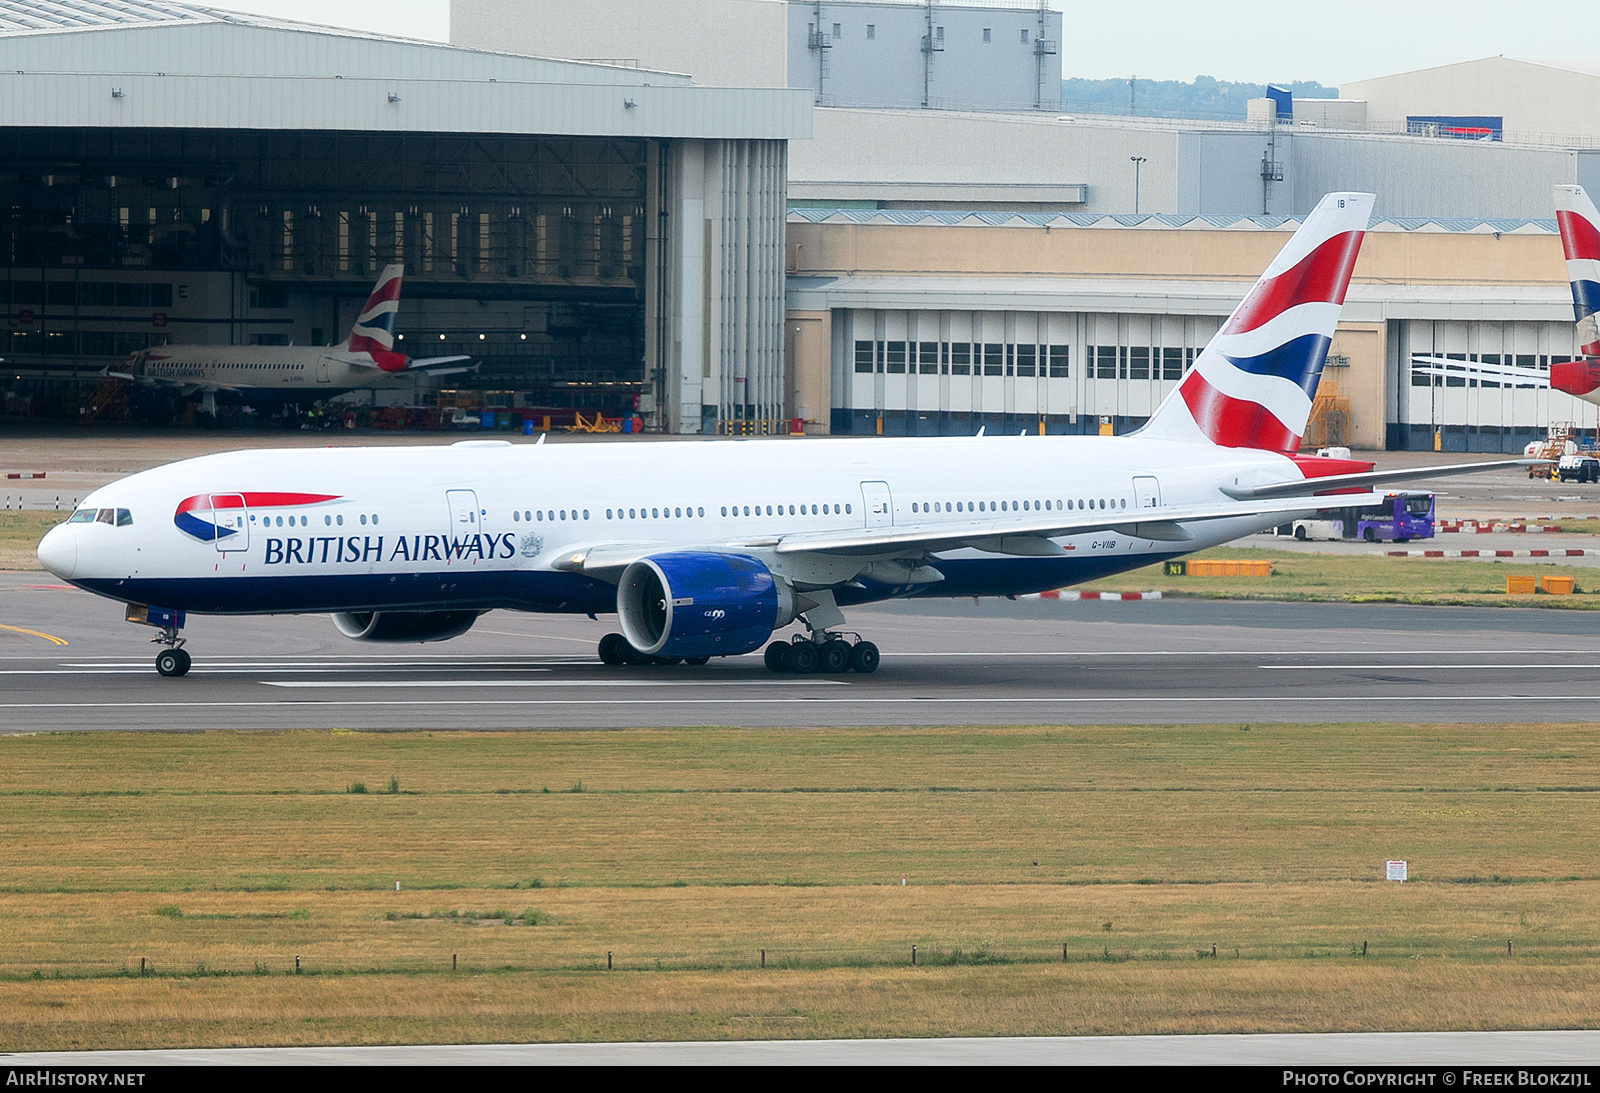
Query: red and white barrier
point(1468, 527)
point(1493, 553)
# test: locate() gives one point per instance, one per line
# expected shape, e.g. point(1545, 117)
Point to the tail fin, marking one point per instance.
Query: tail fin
point(374, 329)
point(1580, 242)
point(1253, 383)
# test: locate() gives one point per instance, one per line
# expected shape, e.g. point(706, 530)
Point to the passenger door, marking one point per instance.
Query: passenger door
point(877, 505)
point(229, 515)
point(463, 512)
point(1146, 492)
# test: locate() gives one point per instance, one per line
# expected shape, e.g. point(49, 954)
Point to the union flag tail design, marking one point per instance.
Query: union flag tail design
point(374, 329)
point(1580, 242)
point(1253, 383)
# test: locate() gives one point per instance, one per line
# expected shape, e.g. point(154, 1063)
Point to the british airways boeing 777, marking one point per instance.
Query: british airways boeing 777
point(277, 374)
point(710, 548)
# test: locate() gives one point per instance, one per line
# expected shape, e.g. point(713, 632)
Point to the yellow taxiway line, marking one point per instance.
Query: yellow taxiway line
point(47, 637)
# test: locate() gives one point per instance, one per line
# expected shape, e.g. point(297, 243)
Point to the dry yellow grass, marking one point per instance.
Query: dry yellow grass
point(1367, 578)
point(1035, 1000)
point(686, 852)
point(20, 533)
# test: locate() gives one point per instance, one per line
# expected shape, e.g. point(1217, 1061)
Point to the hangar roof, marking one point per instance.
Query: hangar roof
point(1157, 221)
point(151, 64)
point(1366, 303)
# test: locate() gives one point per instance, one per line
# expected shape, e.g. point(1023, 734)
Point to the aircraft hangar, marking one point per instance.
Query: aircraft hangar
point(593, 235)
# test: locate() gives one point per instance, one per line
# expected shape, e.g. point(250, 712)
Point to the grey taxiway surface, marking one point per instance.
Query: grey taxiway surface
point(68, 662)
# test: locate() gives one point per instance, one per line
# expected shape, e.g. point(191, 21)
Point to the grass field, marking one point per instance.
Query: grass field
point(1367, 578)
point(217, 859)
point(20, 533)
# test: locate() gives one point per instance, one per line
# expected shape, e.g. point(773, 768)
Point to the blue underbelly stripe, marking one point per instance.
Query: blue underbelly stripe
point(543, 590)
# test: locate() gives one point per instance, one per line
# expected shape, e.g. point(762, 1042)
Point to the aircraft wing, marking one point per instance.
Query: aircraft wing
point(1016, 534)
point(427, 364)
point(1369, 479)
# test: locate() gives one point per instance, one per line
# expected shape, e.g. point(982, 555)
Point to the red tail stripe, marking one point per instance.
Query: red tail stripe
point(1579, 238)
point(1235, 423)
point(389, 290)
point(1321, 277)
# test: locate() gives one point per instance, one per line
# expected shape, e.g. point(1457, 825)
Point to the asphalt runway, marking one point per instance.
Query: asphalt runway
point(69, 662)
point(1352, 1049)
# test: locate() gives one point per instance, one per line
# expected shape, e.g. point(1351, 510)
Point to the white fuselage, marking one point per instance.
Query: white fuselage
point(259, 370)
point(481, 525)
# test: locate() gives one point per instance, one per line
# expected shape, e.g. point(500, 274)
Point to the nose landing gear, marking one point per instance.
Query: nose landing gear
point(174, 660)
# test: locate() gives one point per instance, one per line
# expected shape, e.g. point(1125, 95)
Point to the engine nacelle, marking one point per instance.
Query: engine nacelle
point(701, 605)
point(404, 625)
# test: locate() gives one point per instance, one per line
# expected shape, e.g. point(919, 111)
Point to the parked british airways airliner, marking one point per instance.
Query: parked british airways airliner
point(1580, 244)
point(710, 548)
point(1579, 225)
point(278, 374)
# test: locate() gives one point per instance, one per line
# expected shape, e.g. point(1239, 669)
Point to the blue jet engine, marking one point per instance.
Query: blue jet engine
point(701, 604)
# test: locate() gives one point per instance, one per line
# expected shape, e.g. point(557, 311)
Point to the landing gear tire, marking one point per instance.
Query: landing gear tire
point(172, 663)
point(800, 658)
point(774, 655)
point(864, 657)
point(615, 650)
point(834, 657)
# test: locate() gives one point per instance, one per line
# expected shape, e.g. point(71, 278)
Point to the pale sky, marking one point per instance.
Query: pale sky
point(1250, 40)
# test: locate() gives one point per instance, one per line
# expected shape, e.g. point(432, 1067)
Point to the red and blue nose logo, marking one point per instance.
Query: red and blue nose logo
point(210, 517)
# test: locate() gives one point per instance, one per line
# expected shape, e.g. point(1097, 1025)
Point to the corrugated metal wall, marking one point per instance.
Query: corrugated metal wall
point(750, 361)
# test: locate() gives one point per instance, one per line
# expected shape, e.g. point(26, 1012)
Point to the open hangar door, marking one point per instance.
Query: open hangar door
point(525, 252)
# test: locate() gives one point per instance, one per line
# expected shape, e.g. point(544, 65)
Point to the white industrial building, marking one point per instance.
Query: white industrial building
point(1551, 102)
point(863, 53)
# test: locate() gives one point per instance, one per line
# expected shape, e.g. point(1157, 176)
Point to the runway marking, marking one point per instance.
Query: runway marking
point(1413, 667)
point(1104, 700)
point(390, 683)
point(47, 637)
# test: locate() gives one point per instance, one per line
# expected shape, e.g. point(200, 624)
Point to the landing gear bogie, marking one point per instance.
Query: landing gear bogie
point(832, 654)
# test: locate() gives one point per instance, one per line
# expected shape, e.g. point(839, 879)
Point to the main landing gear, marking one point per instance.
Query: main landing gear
point(822, 652)
point(174, 660)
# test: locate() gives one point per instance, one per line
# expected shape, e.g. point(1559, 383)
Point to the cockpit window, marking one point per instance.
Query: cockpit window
point(106, 516)
point(82, 516)
point(124, 518)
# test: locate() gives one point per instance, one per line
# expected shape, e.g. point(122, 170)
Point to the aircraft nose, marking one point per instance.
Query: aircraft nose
point(58, 552)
